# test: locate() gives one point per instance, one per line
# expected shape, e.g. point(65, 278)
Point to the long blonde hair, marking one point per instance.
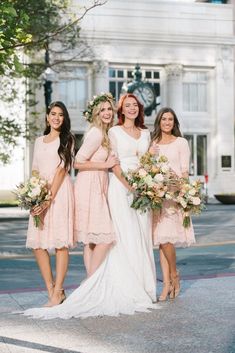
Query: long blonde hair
point(97, 122)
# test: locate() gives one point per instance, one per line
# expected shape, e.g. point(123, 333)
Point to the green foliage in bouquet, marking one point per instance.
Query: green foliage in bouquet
point(149, 182)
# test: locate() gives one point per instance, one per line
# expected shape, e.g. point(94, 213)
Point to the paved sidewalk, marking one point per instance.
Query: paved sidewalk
point(200, 320)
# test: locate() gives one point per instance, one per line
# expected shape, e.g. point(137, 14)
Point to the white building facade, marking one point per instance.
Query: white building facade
point(186, 50)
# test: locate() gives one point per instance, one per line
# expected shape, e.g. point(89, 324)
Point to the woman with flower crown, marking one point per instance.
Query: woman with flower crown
point(121, 278)
point(93, 160)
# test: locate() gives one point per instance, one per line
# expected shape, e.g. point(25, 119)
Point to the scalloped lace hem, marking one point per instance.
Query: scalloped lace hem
point(178, 243)
point(56, 245)
point(96, 238)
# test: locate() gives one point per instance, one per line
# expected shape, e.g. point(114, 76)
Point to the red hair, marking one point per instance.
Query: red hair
point(139, 121)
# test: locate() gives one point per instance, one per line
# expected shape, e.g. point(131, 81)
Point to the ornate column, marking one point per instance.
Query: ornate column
point(174, 86)
point(100, 77)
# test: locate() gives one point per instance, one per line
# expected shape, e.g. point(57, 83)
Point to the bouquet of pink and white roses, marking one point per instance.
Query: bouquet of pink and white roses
point(150, 182)
point(33, 193)
point(189, 199)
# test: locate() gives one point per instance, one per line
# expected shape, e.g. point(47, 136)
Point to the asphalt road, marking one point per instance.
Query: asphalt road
point(212, 256)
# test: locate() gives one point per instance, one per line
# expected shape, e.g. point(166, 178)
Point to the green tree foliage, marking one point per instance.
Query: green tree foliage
point(26, 27)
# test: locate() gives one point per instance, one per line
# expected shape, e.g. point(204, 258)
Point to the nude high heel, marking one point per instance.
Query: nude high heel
point(61, 300)
point(50, 289)
point(175, 286)
point(167, 288)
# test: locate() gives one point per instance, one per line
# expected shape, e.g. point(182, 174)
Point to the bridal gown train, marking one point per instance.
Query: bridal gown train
point(126, 281)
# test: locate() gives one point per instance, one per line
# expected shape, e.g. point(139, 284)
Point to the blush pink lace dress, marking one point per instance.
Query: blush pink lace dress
point(167, 224)
point(57, 230)
point(92, 217)
point(125, 282)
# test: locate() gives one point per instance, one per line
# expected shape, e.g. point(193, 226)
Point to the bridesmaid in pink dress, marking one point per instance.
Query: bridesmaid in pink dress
point(168, 231)
point(93, 225)
point(52, 159)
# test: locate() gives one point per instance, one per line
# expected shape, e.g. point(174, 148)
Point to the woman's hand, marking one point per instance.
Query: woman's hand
point(39, 209)
point(154, 149)
point(131, 189)
point(111, 161)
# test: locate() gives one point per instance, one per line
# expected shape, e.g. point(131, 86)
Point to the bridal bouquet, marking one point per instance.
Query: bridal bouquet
point(150, 182)
point(189, 198)
point(33, 193)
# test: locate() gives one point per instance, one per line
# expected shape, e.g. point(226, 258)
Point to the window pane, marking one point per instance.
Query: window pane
point(112, 73)
point(201, 154)
point(157, 89)
point(120, 73)
point(67, 92)
point(156, 74)
point(189, 138)
point(193, 97)
point(148, 74)
point(120, 84)
point(81, 93)
point(73, 91)
point(202, 106)
point(112, 88)
point(186, 97)
point(130, 74)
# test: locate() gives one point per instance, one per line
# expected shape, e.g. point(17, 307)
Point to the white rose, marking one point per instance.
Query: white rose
point(142, 172)
point(149, 181)
point(35, 191)
point(196, 201)
point(161, 193)
point(159, 177)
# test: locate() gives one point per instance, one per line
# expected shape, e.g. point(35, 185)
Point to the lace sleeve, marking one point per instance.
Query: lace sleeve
point(90, 145)
point(184, 156)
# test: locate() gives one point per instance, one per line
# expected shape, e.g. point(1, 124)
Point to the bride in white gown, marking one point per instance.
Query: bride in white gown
point(126, 281)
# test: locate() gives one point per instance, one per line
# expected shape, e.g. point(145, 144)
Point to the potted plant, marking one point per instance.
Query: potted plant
point(227, 199)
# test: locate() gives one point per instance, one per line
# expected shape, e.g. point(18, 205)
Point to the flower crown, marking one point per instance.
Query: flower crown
point(103, 97)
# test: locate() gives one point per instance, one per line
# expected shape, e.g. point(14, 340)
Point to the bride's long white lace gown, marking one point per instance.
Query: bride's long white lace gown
point(126, 280)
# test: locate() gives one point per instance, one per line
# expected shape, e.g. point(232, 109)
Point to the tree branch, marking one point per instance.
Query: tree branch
point(59, 30)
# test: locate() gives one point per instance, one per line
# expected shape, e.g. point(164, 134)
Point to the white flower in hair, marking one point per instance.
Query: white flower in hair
point(103, 97)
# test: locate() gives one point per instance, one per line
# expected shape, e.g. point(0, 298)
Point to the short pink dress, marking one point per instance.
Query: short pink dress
point(93, 223)
point(168, 222)
point(58, 228)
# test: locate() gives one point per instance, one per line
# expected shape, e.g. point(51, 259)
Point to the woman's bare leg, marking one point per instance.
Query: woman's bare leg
point(87, 256)
point(165, 276)
point(170, 254)
point(44, 264)
point(99, 254)
point(62, 261)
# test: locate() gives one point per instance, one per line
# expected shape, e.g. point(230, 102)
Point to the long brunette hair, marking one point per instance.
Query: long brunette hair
point(139, 121)
point(157, 133)
point(67, 140)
